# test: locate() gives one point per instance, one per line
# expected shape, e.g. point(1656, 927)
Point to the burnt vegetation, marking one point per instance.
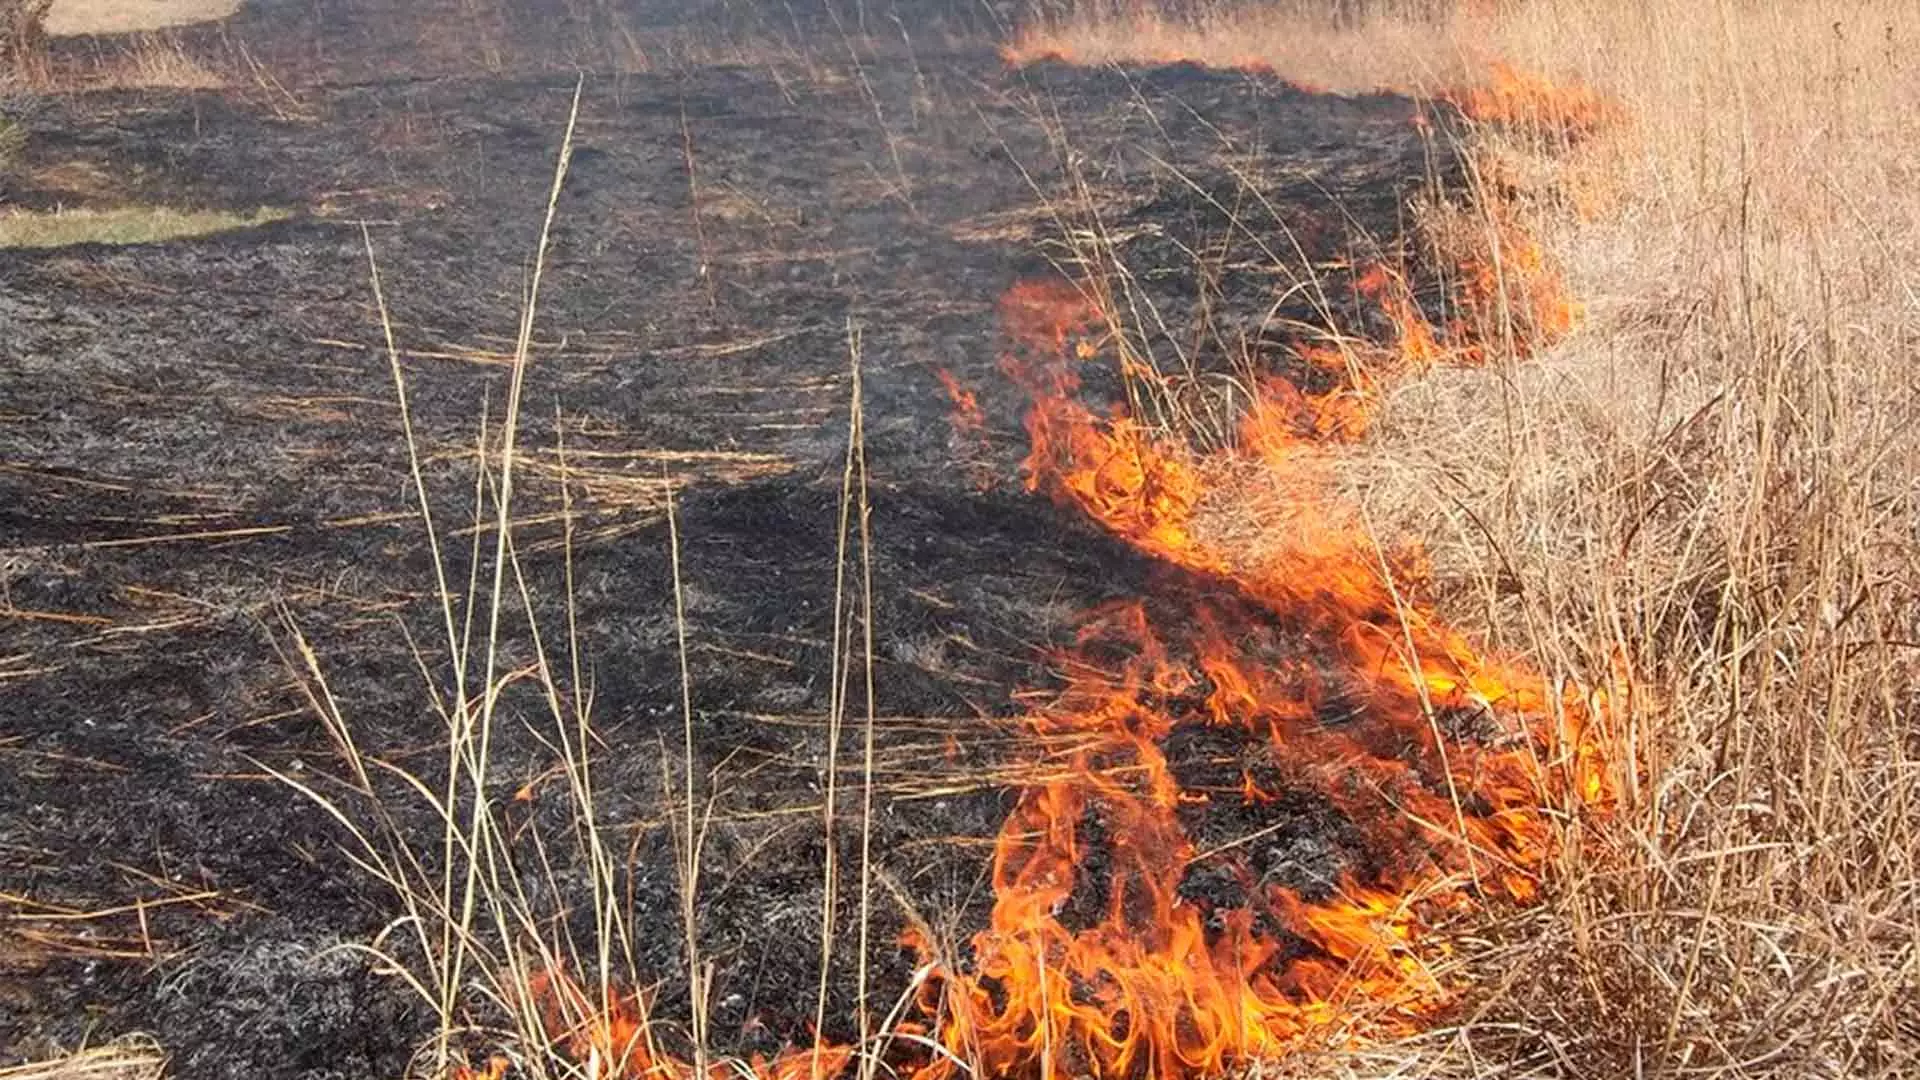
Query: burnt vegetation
point(204, 451)
point(559, 562)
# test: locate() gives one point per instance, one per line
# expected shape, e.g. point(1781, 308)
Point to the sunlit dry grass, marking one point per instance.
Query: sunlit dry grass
point(123, 225)
point(1712, 480)
point(128, 1059)
point(66, 17)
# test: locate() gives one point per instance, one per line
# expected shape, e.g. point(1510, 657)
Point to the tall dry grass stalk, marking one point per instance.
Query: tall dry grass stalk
point(1702, 498)
point(504, 949)
point(469, 938)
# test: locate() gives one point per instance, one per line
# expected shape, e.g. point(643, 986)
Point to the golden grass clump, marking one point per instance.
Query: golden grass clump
point(137, 1058)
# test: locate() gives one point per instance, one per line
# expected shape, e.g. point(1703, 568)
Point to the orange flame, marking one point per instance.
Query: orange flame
point(1533, 102)
point(967, 417)
point(497, 1068)
point(1415, 340)
point(615, 1037)
point(1517, 285)
point(1105, 955)
point(1357, 709)
point(1506, 295)
point(969, 423)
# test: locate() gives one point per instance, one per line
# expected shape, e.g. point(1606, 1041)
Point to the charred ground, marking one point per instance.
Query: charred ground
point(200, 440)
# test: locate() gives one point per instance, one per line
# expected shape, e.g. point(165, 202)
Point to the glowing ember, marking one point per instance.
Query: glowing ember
point(969, 423)
point(615, 1040)
point(967, 418)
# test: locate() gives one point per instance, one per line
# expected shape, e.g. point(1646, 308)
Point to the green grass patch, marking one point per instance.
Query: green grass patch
point(124, 225)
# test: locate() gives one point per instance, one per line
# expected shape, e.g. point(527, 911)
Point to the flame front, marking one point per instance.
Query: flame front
point(1510, 95)
point(1118, 945)
point(1334, 682)
point(1107, 954)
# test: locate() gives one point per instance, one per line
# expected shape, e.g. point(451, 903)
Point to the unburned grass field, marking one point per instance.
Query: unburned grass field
point(627, 540)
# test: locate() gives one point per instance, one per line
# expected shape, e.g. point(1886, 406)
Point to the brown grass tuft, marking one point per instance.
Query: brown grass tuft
point(128, 1059)
point(157, 62)
point(23, 34)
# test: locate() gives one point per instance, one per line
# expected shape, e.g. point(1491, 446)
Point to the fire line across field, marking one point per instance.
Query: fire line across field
point(256, 461)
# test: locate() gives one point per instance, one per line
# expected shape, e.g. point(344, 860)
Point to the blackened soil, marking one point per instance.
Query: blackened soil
point(200, 449)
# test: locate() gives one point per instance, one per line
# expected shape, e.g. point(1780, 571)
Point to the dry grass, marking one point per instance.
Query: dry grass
point(74, 17)
point(141, 61)
point(128, 1059)
point(155, 62)
point(1713, 481)
point(124, 225)
point(23, 28)
point(1378, 48)
point(1706, 489)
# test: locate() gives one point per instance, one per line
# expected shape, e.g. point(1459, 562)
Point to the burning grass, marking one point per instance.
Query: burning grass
point(1705, 488)
point(1168, 985)
point(1662, 825)
point(1108, 952)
